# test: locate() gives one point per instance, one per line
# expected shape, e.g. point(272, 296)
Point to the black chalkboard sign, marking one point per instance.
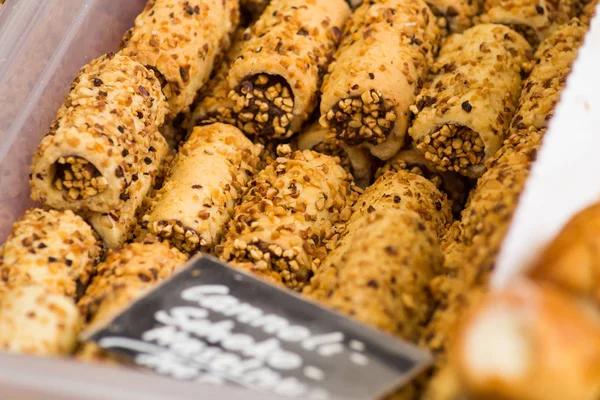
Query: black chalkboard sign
point(214, 324)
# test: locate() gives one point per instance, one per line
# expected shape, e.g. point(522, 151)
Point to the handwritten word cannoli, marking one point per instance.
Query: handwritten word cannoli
point(206, 181)
point(276, 77)
point(467, 105)
point(385, 53)
point(104, 139)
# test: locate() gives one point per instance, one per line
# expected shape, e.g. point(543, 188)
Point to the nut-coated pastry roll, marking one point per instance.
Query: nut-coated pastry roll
point(534, 19)
point(204, 184)
point(551, 67)
point(277, 75)
point(384, 56)
point(383, 276)
point(291, 211)
point(181, 40)
point(104, 137)
point(455, 15)
point(530, 342)
point(465, 108)
point(454, 185)
point(117, 226)
point(589, 12)
point(54, 249)
point(406, 191)
point(213, 104)
point(356, 160)
point(576, 245)
point(36, 321)
point(125, 275)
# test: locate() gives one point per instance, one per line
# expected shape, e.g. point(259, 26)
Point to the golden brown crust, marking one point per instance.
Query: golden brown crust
point(124, 276)
point(204, 184)
point(290, 214)
point(454, 185)
point(466, 106)
point(539, 332)
point(381, 279)
point(38, 322)
point(288, 49)
point(182, 40)
point(54, 249)
point(110, 120)
point(572, 260)
point(384, 56)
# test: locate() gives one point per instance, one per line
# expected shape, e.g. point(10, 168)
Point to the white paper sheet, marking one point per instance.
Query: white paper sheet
point(566, 176)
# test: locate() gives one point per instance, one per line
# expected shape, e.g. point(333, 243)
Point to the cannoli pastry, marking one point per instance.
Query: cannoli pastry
point(406, 191)
point(104, 138)
point(54, 249)
point(576, 245)
point(465, 108)
point(118, 226)
point(384, 56)
point(534, 19)
point(551, 66)
point(125, 275)
point(181, 40)
point(383, 275)
point(288, 216)
point(589, 12)
point(472, 244)
point(355, 160)
point(36, 321)
point(206, 181)
point(454, 185)
point(455, 16)
point(213, 103)
point(393, 191)
point(530, 342)
point(277, 75)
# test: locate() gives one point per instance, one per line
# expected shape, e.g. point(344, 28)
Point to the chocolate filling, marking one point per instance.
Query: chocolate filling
point(78, 178)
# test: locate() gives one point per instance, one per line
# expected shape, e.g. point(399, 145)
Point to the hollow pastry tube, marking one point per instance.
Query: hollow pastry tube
point(213, 103)
point(465, 108)
point(206, 181)
point(551, 66)
point(117, 226)
point(454, 185)
point(36, 321)
point(277, 75)
point(54, 249)
point(530, 342)
point(471, 245)
point(356, 160)
point(290, 212)
point(382, 280)
point(392, 191)
point(125, 275)
point(455, 16)
point(384, 56)
point(181, 40)
point(104, 137)
point(534, 19)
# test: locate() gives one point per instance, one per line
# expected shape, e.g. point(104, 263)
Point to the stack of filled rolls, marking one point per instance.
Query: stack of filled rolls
point(368, 156)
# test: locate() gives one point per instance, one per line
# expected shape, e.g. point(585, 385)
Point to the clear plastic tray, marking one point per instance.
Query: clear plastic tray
point(43, 43)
